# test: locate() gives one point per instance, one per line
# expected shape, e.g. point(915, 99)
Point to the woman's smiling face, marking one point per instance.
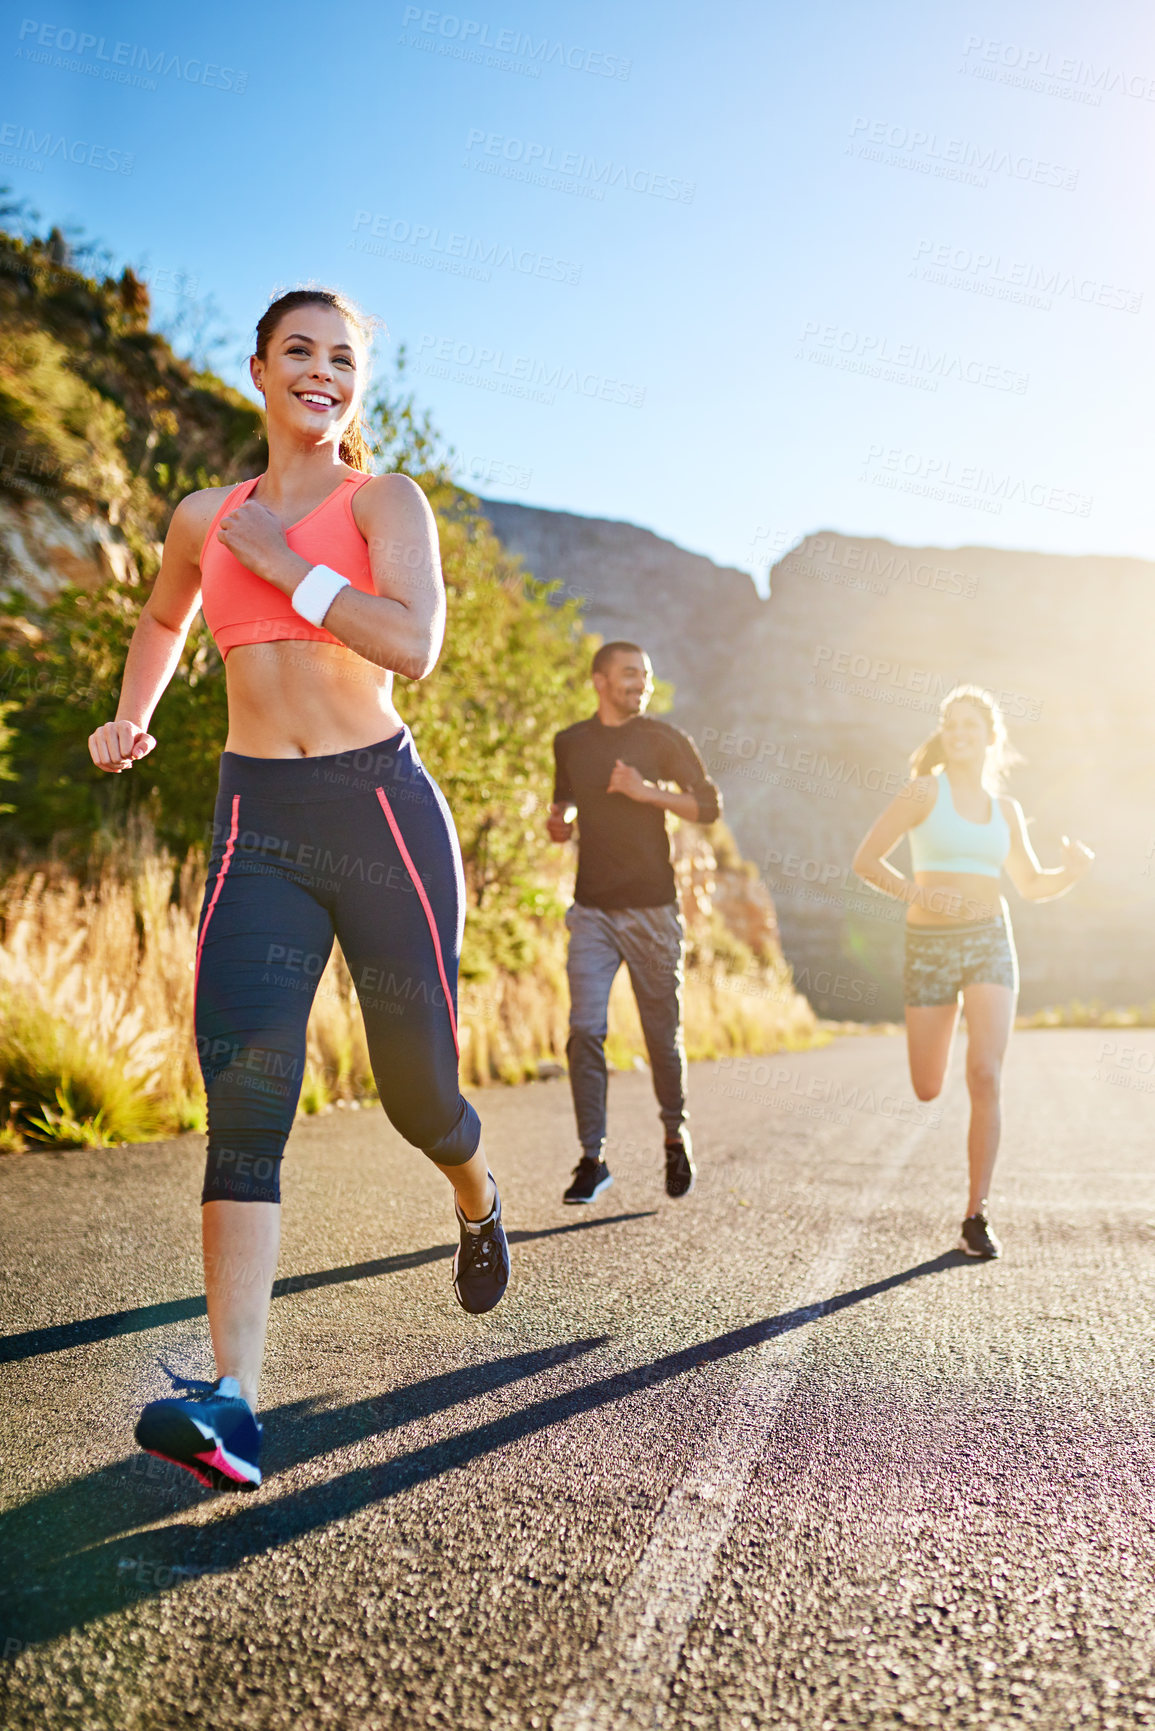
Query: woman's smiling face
point(966, 733)
point(311, 374)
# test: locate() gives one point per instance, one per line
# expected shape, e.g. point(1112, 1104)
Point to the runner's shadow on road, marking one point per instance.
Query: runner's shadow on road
point(54, 1588)
point(67, 1541)
point(14, 1348)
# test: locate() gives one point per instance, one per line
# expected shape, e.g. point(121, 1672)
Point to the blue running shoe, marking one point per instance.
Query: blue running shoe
point(211, 1433)
point(481, 1261)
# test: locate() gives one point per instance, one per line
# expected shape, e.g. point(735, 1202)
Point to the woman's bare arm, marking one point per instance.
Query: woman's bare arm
point(1034, 882)
point(909, 807)
point(158, 641)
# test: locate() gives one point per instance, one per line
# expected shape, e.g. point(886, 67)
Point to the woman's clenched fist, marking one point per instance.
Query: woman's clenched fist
point(118, 744)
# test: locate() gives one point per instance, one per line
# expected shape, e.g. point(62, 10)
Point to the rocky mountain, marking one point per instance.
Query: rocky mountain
point(807, 705)
point(43, 545)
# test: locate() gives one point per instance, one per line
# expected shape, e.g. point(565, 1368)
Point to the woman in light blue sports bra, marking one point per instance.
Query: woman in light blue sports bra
point(964, 832)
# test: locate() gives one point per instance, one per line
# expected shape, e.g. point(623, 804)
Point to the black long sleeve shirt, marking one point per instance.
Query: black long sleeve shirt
point(624, 856)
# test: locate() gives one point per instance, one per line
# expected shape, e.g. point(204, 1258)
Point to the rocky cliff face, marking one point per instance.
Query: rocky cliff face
point(807, 705)
point(688, 612)
point(43, 546)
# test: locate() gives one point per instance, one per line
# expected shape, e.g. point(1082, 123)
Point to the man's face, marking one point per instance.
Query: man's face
point(627, 684)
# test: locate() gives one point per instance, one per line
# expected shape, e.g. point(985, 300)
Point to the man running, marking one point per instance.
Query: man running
point(609, 772)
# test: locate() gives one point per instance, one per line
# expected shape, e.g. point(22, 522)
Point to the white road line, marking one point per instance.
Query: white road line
point(626, 1679)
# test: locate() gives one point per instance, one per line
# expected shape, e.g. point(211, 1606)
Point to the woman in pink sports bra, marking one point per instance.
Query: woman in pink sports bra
point(319, 581)
point(963, 833)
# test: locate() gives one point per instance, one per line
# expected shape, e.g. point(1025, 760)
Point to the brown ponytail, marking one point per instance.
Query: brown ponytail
point(354, 448)
point(929, 756)
point(926, 759)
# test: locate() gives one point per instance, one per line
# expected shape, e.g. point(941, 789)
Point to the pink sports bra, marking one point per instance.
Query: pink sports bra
point(240, 607)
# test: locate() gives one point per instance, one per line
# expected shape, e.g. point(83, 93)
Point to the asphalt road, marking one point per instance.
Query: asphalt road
point(771, 1456)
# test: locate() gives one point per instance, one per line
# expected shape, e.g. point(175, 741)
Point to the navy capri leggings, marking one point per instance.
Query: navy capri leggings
point(360, 846)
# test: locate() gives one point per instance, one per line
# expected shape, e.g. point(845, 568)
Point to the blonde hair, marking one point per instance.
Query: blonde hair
point(354, 449)
point(1001, 754)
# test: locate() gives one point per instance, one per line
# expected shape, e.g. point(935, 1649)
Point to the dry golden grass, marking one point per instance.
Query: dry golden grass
point(1092, 1015)
point(96, 993)
point(724, 1015)
point(96, 1005)
point(516, 1022)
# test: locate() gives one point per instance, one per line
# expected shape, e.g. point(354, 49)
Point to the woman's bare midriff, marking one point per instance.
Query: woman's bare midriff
point(306, 699)
point(955, 899)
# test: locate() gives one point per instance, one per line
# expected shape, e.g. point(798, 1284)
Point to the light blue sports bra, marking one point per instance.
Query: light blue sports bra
point(946, 842)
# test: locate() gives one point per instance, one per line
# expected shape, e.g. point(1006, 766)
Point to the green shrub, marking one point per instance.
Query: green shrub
point(56, 1087)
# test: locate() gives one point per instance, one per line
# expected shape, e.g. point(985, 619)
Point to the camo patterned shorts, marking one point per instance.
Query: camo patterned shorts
point(940, 962)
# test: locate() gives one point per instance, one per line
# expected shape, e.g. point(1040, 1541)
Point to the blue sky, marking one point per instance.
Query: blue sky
point(735, 274)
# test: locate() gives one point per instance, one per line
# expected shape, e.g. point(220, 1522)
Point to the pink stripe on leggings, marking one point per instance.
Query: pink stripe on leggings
point(420, 888)
point(217, 887)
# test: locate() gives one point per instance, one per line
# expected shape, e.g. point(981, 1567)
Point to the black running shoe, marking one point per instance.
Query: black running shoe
point(481, 1261)
point(211, 1433)
point(978, 1239)
point(590, 1178)
point(680, 1169)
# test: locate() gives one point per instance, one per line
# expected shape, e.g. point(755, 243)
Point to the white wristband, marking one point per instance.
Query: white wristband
point(316, 593)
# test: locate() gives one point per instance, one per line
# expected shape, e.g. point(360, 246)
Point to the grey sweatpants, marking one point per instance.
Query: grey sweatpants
point(651, 942)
